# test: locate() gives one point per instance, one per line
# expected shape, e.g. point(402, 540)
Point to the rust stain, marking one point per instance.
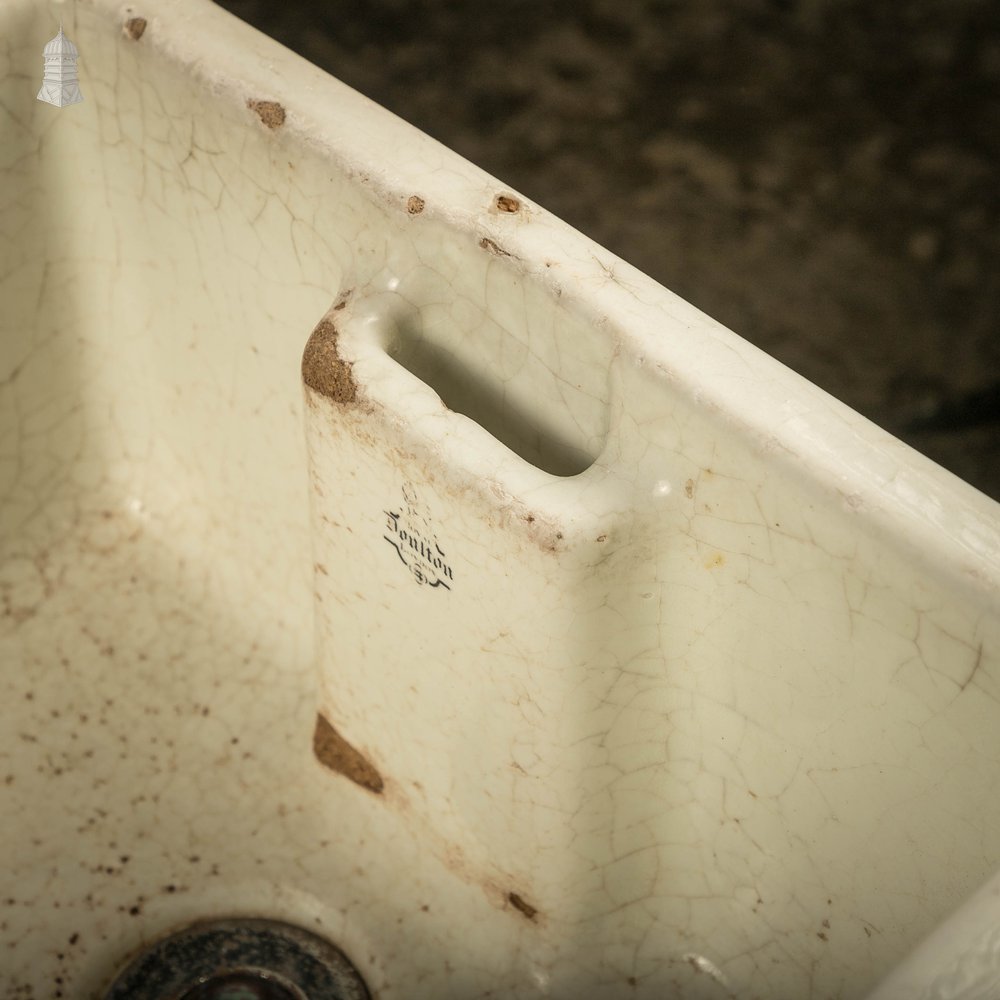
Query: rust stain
point(511, 512)
point(134, 27)
point(415, 204)
point(323, 370)
point(493, 884)
point(487, 244)
point(508, 203)
point(715, 560)
point(271, 113)
point(334, 752)
point(522, 906)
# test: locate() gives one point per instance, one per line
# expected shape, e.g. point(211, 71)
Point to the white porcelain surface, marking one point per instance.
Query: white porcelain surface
point(960, 960)
point(705, 701)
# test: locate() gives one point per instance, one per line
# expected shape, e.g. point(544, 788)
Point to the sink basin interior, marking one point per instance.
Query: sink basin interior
point(166, 247)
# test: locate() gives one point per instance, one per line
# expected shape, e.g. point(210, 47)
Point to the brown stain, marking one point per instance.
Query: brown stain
point(689, 489)
point(494, 248)
point(134, 27)
point(715, 560)
point(522, 906)
point(271, 113)
point(334, 752)
point(507, 203)
point(512, 513)
point(494, 884)
point(323, 370)
point(415, 204)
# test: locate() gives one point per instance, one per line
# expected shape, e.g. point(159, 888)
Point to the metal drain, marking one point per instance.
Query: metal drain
point(243, 986)
point(240, 960)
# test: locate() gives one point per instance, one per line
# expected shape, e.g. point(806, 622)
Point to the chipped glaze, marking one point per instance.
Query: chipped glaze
point(383, 556)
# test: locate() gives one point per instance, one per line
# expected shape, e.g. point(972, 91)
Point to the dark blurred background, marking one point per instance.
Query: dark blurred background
point(821, 176)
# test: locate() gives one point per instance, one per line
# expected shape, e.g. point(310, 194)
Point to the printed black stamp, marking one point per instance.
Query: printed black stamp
point(410, 533)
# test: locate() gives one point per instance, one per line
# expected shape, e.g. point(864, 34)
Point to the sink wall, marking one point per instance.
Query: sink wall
point(760, 754)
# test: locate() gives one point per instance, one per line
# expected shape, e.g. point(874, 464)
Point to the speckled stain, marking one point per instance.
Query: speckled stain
point(545, 531)
point(271, 113)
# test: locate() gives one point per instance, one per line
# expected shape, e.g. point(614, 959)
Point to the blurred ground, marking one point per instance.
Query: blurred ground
point(821, 176)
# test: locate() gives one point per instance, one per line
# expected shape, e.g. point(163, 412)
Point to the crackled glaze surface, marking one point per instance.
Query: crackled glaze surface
point(684, 679)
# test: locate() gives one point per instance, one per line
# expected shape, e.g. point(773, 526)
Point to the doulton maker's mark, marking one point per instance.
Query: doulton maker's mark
point(409, 532)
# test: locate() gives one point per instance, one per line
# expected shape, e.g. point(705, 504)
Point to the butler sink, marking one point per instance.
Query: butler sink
point(384, 560)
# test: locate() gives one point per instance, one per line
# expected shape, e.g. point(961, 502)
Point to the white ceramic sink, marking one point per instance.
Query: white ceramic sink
point(380, 555)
